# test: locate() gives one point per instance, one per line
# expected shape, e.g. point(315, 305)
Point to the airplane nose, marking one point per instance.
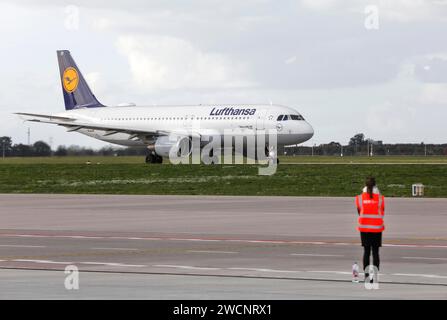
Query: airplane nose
point(308, 131)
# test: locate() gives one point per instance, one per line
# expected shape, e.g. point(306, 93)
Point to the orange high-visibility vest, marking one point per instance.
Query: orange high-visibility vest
point(371, 212)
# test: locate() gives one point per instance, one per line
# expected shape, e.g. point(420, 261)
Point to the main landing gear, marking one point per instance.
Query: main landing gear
point(153, 158)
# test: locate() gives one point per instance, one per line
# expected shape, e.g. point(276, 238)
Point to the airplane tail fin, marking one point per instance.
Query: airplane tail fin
point(77, 93)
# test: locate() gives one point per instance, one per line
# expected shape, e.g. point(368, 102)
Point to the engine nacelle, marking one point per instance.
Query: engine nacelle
point(172, 147)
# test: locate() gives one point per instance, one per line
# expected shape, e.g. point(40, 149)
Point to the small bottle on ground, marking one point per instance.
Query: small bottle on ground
point(355, 272)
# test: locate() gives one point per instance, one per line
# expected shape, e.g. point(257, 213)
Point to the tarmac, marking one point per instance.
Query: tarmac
point(209, 247)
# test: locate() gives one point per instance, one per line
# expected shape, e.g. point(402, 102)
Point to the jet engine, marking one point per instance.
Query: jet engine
point(172, 146)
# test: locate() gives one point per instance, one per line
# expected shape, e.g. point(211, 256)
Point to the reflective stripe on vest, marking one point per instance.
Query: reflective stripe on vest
point(366, 226)
point(371, 216)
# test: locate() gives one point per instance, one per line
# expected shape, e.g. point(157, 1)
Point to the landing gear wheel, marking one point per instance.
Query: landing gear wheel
point(149, 158)
point(153, 158)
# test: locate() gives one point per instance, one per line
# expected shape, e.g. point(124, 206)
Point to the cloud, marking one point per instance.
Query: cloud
point(387, 118)
point(434, 94)
point(319, 4)
point(95, 82)
point(163, 62)
point(395, 10)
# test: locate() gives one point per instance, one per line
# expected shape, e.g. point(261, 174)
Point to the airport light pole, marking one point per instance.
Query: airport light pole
point(367, 147)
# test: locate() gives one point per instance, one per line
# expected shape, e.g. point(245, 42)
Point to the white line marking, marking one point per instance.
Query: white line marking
point(222, 240)
point(125, 249)
point(113, 264)
point(20, 246)
point(316, 255)
point(329, 271)
point(425, 258)
point(211, 251)
point(419, 275)
point(192, 239)
point(42, 261)
point(184, 267)
point(264, 270)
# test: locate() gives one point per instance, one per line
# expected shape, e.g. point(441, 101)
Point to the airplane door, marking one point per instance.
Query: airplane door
point(260, 125)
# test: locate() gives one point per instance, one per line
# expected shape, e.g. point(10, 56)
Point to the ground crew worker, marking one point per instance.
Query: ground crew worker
point(370, 208)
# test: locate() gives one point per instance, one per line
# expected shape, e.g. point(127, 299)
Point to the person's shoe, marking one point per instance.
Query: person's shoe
point(366, 277)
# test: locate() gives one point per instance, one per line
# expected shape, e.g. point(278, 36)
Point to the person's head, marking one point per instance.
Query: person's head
point(370, 184)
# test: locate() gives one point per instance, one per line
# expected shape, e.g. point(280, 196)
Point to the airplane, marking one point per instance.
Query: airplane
point(151, 126)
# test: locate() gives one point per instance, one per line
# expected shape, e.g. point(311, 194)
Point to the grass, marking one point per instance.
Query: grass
point(128, 175)
point(283, 159)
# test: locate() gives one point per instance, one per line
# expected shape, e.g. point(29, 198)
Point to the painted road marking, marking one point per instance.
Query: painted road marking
point(267, 270)
point(20, 246)
point(125, 249)
point(330, 271)
point(42, 261)
point(184, 267)
point(264, 270)
point(419, 275)
point(113, 264)
point(316, 255)
point(425, 258)
point(211, 251)
point(221, 240)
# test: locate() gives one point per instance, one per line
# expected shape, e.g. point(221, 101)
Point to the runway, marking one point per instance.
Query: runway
point(188, 247)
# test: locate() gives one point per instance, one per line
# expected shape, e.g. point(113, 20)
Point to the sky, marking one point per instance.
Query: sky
point(378, 67)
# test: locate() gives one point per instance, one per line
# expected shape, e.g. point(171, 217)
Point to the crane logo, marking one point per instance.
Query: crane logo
point(70, 79)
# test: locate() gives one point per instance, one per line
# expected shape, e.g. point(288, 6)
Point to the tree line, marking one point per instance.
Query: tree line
point(358, 145)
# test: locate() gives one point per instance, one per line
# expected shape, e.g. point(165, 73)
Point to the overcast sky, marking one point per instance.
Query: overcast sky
point(377, 67)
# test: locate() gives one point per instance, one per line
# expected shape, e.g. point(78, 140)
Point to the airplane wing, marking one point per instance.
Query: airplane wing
point(44, 116)
point(74, 125)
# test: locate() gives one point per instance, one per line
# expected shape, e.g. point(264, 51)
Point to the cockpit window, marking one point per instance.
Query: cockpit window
point(290, 117)
point(297, 117)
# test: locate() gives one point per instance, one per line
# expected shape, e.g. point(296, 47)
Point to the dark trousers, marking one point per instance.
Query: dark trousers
point(367, 254)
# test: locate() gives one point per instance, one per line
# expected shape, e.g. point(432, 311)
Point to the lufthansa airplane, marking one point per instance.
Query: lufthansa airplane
point(150, 126)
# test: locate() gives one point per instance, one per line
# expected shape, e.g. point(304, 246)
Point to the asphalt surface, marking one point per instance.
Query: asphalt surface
point(207, 247)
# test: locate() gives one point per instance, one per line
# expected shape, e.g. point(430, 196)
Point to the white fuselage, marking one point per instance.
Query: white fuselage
point(201, 119)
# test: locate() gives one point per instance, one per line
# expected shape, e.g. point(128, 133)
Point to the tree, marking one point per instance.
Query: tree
point(41, 148)
point(5, 146)
point(22, 150)
point(61, 151)
point(357, 140)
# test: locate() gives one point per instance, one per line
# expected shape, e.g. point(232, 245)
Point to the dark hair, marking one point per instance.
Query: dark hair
point(370, 183)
